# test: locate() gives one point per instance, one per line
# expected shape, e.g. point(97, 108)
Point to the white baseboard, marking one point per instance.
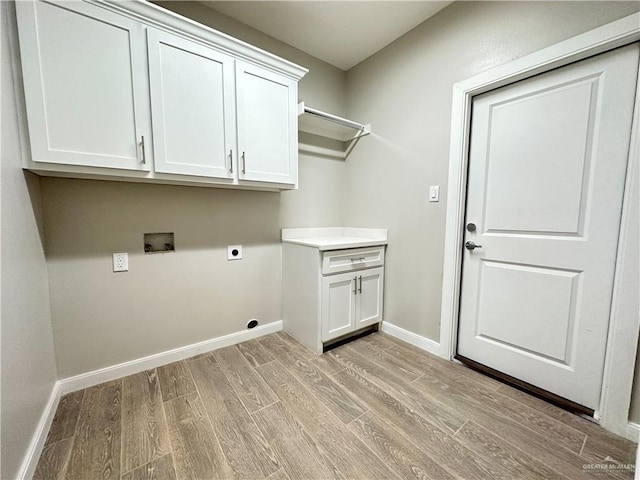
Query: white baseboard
point(106, 374)
point(413, 338)
point(633, 432)
point(30, 461)
point(96, 377)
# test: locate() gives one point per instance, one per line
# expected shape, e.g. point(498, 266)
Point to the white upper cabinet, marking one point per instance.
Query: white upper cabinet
point(267, 125)
point(85, 84)
point(128, 91)
point(192, 104)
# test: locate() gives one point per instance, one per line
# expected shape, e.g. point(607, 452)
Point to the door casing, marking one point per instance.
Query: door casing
point(624, 322)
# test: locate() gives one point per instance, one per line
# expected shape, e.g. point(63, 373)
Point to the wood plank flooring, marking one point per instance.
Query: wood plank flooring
point(375, 408)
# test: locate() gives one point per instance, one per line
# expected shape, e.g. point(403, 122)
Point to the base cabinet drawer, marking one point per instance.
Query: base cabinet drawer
point(337, 261)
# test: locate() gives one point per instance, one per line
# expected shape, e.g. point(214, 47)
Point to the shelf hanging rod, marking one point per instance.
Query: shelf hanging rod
point(334, 118)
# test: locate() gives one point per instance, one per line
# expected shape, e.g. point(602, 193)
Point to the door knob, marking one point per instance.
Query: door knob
point(471, 246)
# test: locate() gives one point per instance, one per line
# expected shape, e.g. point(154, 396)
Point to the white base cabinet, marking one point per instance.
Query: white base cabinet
point(128, 91)
point(350, 301)
point(330, 294)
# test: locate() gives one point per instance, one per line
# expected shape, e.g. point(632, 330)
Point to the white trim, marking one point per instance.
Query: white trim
point(106, 374)
point(622, 339)
point(30, 461)
point(414, 339)
point(607, 37)
point(161, 18)
point(633, 432)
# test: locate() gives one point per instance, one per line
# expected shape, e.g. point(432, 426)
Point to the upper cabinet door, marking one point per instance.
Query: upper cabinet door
point(192, 105)
point(267, 125)
point(86, 85)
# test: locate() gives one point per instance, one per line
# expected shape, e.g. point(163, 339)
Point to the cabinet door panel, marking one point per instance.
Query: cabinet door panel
point(192, 102)
point(338, 305)
point(267, 125)
point(369, 298)
point(85, 84)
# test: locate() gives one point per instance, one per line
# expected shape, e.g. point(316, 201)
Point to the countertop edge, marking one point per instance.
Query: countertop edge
point(366, 242)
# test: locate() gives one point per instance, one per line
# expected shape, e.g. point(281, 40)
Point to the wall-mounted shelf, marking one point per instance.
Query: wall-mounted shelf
point(322, 124)
point(317, 122)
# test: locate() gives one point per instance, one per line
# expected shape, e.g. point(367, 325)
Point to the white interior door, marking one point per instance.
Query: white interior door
point(547, 167)
point(192, 104)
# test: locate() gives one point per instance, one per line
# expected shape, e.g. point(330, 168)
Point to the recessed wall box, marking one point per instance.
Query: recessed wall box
point(158, 242)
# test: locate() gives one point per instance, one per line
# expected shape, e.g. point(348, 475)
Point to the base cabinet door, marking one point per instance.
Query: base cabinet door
point(338, 305)
point(192, 106)
point(86, 85)
point(351, 301)
point(369, 297)
point(267, 125)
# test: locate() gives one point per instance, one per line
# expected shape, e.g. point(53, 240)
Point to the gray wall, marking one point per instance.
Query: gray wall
point(165, 300)
point(405, 92)
point(28, 361)
point(171, 300)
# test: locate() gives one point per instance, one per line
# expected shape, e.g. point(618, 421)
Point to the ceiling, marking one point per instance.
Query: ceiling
point(342, 33)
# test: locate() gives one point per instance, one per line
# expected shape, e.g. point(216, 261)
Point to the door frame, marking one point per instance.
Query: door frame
point(624, 322)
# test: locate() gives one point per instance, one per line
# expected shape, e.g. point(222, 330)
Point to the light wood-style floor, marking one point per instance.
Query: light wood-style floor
point(375, 408)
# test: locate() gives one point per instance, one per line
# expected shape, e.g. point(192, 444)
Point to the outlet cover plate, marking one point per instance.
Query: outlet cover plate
point(120, 262)
point(234, 252)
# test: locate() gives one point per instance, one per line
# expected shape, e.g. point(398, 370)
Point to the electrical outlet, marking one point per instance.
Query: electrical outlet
point(234, 252)
point(120, 262)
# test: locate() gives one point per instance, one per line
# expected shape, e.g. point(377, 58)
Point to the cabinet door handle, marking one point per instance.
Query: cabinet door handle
point(360, 287)
point(355, 285)
point(231, 160)
point(244, 164)
point(144, 150)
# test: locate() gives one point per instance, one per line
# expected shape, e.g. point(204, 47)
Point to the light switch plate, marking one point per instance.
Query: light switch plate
point(434, 193)
point(120, 262)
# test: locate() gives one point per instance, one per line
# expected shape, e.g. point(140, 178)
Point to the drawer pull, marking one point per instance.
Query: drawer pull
point(359, 259)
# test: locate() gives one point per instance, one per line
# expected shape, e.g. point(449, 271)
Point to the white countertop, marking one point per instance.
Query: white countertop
point(335, 238)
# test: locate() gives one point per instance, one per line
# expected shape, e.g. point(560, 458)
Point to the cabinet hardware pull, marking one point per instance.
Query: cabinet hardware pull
point(359, 259)
point(355, 285)
point(360, 288)
point(144, 150)
point(244, 164)
point(231, 160)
